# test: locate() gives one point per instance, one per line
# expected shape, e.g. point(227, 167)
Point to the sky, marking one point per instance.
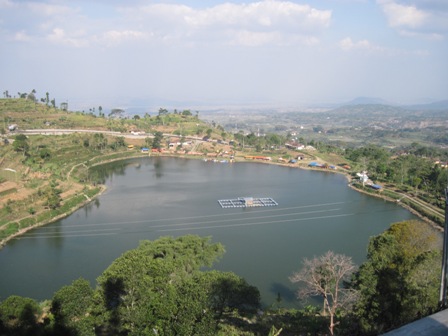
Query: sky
point(183, 53)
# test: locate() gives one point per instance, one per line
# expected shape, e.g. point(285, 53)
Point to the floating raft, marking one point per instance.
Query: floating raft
point(246, 202)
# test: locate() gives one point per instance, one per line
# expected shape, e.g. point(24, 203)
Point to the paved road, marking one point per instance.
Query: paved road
point(48, 131)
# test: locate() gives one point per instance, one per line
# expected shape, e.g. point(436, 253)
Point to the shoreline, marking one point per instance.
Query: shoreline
point(403, 205)
point(240, 160)
point(53, 219)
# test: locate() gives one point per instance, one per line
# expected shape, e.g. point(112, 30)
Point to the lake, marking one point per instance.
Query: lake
point(151, 197)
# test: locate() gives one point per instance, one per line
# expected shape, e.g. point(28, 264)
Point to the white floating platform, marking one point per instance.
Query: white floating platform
point(247, 202)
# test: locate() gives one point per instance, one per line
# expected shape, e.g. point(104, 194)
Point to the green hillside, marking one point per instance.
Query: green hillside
point(44, 177)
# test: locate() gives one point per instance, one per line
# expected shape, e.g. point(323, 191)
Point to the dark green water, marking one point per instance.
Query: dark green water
point(153, 197)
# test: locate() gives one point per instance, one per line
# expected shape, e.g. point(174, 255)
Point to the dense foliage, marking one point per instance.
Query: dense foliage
point(155, 289)
point(159, 288)
point(400, 280)
point(412, 167)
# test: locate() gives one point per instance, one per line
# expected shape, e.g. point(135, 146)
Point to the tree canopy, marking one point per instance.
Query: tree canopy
point(400, 279)
point(157, 288)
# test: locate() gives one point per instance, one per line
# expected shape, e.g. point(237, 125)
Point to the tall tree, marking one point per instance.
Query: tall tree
point(150, 288)
point(116, 113)
point(400, 279)
point(163, 111)
point(325, 276)
point(71, 308)
point(157, 141)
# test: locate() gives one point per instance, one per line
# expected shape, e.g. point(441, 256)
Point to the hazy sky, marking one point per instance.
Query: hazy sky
point(225, 52)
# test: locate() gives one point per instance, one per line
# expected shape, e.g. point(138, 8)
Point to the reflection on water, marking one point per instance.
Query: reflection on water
point(284, 293)
point(152, 197)
point(158, 167)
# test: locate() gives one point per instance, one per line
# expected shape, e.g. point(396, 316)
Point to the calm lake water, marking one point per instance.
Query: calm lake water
point(152, 197)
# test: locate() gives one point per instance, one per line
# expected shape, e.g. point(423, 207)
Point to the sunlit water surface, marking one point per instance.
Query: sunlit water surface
point(152, 197)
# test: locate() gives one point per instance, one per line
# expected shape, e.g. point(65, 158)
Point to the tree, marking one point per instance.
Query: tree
point(229, 291)
point(116, 113)
point(99, 141)
point(19, 315)
point(157, 141)
point(31, 96)
point(158, 288)
point(163, 111)
point(274, 139)
point(71, 307)
point(325, 276)
point(148, 142)
point(186, 113)
point(119, 142)
point(399, 282)
point(52, 196)
point(153, 287)
point(20, 143)
point(64, 106)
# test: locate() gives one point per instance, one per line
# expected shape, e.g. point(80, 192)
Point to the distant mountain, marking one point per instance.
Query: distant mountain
point(369, 109)
point(367, 101)
point(438, 105)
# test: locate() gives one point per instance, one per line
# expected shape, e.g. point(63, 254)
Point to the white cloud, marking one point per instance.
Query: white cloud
point(50, 10)
point(21, 36)
point(417, 18)
point(404, 16)
point(261, 14)
point(115, 37)
point(257, 23)
point(58, 36)
point(238, 49)
point(348, 44)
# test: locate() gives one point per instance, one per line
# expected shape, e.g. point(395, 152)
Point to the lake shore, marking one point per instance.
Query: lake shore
point(239, 159)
